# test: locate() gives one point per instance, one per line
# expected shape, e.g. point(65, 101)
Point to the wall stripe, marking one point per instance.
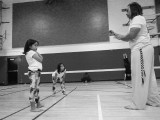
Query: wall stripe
point(98, 70)
point(112, 45)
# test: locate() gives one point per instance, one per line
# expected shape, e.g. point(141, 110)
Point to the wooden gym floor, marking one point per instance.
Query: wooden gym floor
point(104, 100)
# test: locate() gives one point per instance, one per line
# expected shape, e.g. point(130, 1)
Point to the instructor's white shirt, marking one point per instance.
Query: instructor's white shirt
point(143, 37)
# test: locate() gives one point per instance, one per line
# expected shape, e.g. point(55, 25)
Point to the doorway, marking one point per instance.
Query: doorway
point(12, 71)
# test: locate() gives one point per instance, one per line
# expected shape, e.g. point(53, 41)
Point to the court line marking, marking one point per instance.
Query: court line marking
point(103, 91)
point(25, 107)
point(14, 92)
point(128, 86)
point(7, 88)
point(95, 70)
point(100, 116)
point(53, 104)
point(123, 84)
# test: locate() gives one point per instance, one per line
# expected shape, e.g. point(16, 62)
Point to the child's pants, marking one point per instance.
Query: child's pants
point(34, 86)
point(62, 83)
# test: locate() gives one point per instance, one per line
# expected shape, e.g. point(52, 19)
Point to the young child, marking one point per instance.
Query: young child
point(127, 75)
point(34, 60)
point(59, 74)
point(86, 78)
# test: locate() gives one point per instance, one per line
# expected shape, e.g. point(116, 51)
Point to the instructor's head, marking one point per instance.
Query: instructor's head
point(133, 10)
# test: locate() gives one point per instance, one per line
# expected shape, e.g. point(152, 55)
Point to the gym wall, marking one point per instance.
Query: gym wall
point(93, 60)
point(106, 55)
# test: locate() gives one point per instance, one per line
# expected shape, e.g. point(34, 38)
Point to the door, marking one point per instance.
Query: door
point(12, 71)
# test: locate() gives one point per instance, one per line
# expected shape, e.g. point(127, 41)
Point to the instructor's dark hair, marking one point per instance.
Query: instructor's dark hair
point(136, 9)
